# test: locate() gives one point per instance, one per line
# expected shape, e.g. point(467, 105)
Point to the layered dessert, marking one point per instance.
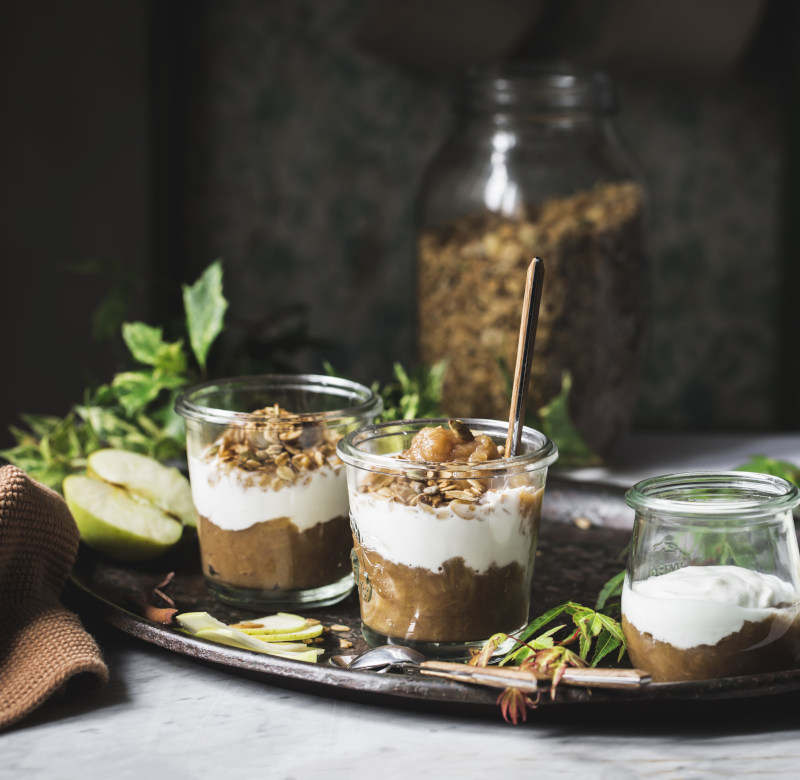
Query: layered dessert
point(704, 622)
point(272, 505)
point(443, 553)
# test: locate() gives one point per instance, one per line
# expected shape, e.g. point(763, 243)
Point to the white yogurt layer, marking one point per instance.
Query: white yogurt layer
point(227, 500)
point(494, 530)
point(701, 605)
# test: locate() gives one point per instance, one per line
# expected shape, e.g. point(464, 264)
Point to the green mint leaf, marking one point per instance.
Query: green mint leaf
point(761, 464)
point(147, 346)
point(542, 620)
point(612, 589)
point(137, 389)
point(612, 627)
point(556, 424)
point(144, 341)
point(205, 311)
point(605, 644)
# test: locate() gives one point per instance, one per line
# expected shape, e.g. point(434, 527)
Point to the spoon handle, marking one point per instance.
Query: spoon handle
point(527, 338)
point(530, 681)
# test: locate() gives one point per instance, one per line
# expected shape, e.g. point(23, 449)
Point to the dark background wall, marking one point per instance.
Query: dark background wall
point(143, 140)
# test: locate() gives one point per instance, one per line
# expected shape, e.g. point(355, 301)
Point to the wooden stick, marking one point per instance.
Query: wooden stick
point(527, 338)
point(512, 677)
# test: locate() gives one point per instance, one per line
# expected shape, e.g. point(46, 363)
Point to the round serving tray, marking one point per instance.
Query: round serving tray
point(574, 559)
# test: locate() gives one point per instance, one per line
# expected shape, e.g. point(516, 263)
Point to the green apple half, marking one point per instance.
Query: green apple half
point(117, 523)
point(143, 476)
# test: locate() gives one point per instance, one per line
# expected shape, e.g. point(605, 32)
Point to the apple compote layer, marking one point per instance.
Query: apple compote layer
point(705, 622)
point(445, 558)
point(452, 604)
point(272, 506)
point(275, 554)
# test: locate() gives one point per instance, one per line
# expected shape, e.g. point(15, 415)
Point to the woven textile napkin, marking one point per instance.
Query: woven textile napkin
point(42, 644)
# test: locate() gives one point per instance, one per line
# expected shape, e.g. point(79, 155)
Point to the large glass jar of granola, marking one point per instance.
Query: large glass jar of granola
point(534, 167)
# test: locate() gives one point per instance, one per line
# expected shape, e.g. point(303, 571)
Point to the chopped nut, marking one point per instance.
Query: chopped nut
point(339, 627)
point(278, 449)
point(584, 523)
point(345, 643)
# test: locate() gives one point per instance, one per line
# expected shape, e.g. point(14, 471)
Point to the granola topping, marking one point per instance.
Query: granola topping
point(283, 467)
point(277, 451)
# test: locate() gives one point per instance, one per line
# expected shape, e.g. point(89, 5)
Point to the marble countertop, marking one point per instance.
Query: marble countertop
point(163, 715)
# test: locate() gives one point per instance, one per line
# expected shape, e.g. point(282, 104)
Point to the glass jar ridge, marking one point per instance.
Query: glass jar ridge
point(537, 88)
point(714, 494)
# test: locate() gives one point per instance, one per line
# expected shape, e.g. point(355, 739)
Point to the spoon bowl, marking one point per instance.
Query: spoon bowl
point(378, 658)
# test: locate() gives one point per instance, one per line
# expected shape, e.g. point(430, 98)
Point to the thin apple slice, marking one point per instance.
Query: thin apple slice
point(309, 632)
point(146, 477)
point(235, 638)
point(280, 623)
point(116, 524)
point(205, 626)
point(198, 621)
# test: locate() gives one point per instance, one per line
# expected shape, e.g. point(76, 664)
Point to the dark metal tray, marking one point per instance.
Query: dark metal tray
point(573, 562)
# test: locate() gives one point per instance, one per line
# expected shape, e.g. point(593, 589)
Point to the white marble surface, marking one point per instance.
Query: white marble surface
point(165, 716)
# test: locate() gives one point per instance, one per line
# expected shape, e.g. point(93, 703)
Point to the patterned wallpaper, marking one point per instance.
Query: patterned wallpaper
point(305, 158)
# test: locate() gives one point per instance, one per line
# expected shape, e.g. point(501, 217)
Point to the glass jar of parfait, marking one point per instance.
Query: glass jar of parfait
point(712, 586)
point(269, 488)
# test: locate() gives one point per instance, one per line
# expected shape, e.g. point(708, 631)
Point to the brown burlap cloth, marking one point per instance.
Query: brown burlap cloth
point(42, 644)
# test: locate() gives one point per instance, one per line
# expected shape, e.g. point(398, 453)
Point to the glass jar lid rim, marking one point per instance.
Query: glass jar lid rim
point(699, 494)
point(187, 407)
point(537, 84)
point(349, 452)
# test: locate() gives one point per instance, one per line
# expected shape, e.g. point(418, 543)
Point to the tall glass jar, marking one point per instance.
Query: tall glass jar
point(534, 167)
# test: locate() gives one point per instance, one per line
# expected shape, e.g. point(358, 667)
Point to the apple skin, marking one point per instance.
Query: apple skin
point(116, 524)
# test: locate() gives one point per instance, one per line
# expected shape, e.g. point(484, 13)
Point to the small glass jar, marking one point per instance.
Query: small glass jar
point(712, 587)
point(269, 489)
point(534, 167)
point(443, 552)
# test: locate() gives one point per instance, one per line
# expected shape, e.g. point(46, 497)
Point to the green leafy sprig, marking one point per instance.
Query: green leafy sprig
point(548, 649)
point(409, 396)
point(777, 468)
point(413, 395)
point(135, 410)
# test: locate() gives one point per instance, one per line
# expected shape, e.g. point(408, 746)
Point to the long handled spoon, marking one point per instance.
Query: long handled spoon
point(527, 338)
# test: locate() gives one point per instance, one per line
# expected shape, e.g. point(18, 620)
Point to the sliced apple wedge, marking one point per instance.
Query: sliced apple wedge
point(265, 635)
point(198, 621)
point(115, 523)
point(235, 638)
point(279, 623)
point(205, 626)
point(281, 627)
point(147, 478)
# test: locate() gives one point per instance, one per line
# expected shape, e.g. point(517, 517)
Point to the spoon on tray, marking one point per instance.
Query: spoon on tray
point(386, 657)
